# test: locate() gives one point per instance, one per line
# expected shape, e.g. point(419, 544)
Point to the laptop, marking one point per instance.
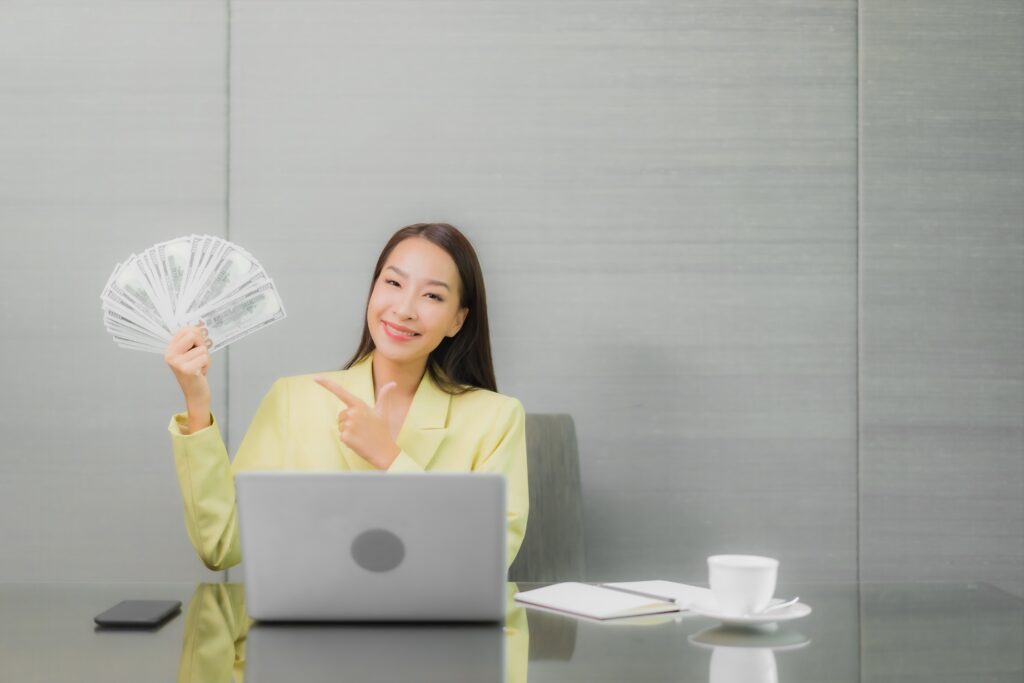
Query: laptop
point(370, 546)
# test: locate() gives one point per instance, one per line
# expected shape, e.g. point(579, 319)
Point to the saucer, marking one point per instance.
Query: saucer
point(710, 609)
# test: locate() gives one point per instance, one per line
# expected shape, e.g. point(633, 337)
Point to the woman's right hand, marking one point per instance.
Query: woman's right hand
point(188, 356)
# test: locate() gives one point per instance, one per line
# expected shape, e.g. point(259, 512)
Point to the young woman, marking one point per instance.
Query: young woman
point(418, 395)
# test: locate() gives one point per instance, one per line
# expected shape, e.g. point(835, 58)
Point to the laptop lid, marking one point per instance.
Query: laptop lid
point(365, 546)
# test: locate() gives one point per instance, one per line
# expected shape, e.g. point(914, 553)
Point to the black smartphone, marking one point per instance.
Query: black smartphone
point(140, 613)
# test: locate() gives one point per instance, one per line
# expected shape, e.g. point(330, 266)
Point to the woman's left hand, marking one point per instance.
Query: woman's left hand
point(365, 429)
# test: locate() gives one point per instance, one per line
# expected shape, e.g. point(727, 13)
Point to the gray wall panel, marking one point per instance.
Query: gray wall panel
point(942, 280)
point(112, 140)
point(663, 199)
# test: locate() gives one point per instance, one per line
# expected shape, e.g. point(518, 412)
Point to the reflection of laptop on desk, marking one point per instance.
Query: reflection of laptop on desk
point(388, 653)
point(345, 546)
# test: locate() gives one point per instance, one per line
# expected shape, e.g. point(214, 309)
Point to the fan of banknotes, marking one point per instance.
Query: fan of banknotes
point(185, 281)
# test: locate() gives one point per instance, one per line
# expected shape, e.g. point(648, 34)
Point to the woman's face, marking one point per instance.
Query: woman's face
point(417, 290)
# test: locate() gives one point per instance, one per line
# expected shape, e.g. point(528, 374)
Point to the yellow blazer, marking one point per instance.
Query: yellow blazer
point(295, 428)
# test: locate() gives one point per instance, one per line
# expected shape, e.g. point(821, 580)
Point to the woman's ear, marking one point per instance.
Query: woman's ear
point(460, 318)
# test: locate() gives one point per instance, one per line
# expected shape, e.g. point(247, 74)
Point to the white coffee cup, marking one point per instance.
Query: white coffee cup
point(742, 584)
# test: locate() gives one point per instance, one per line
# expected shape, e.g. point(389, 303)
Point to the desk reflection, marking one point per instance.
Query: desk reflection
point(222, 644)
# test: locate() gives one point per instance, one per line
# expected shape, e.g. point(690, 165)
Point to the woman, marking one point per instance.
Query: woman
point(418, 395)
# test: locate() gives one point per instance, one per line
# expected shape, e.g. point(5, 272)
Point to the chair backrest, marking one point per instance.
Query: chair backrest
point(553, 548)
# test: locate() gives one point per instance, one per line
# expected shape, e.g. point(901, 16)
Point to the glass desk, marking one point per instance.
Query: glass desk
point(872, 632)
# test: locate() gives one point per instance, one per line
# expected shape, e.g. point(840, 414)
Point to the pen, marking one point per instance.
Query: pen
point(640, 593)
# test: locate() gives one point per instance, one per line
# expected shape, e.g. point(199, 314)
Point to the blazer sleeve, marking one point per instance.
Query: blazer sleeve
point(206, 477)
point(507, 456)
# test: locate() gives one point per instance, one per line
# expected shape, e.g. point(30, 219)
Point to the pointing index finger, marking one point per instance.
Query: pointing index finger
point(348, 397)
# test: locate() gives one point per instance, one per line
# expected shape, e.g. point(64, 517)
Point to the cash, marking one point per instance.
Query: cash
point(187, 281)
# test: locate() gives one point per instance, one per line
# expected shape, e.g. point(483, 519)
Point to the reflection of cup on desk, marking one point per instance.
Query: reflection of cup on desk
point(741, 655)
point(743, 665)
point(742, 584)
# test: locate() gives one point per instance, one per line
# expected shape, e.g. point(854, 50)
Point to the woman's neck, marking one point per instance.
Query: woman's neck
point(408, 376)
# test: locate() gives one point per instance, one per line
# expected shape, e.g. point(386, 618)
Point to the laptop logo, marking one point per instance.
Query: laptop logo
point(378, 550)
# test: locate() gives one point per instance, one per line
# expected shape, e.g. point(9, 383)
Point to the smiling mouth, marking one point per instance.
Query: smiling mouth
point(398, 333)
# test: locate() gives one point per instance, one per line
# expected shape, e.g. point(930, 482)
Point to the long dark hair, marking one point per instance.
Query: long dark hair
point(461, 363)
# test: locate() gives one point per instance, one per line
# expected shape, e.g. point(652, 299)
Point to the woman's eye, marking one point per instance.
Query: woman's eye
point(395, 283)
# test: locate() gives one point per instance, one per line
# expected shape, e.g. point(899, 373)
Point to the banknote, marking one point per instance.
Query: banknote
point(228, 320)
point(184, 281)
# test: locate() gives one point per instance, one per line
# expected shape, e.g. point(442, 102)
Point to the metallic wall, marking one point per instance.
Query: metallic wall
point(112, 139)
point(664, 204)
point(942, 284)
point(681, 250)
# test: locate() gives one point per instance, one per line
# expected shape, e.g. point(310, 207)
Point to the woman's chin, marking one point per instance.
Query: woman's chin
point(397, 351)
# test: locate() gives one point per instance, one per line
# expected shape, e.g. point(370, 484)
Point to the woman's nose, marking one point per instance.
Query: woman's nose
point(405, 306)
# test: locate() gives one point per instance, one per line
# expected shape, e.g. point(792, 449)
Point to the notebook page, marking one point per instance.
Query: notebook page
point(593, 601)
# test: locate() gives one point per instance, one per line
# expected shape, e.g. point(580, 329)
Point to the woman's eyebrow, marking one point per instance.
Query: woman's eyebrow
point(429, 282)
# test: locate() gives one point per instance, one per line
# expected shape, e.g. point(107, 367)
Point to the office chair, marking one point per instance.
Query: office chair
point(553, 548)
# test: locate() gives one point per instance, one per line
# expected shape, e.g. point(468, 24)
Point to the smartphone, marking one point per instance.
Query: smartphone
point(142, 613)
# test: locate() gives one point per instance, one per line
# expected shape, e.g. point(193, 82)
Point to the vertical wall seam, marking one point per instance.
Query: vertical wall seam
point(858, 294)
point(227, 202)
point(226, 422)
point(858, 99)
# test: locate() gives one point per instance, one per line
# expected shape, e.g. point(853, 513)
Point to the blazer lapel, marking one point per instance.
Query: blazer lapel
point(425, 424)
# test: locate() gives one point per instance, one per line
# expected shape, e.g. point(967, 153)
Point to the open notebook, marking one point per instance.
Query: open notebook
point(614, 600)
